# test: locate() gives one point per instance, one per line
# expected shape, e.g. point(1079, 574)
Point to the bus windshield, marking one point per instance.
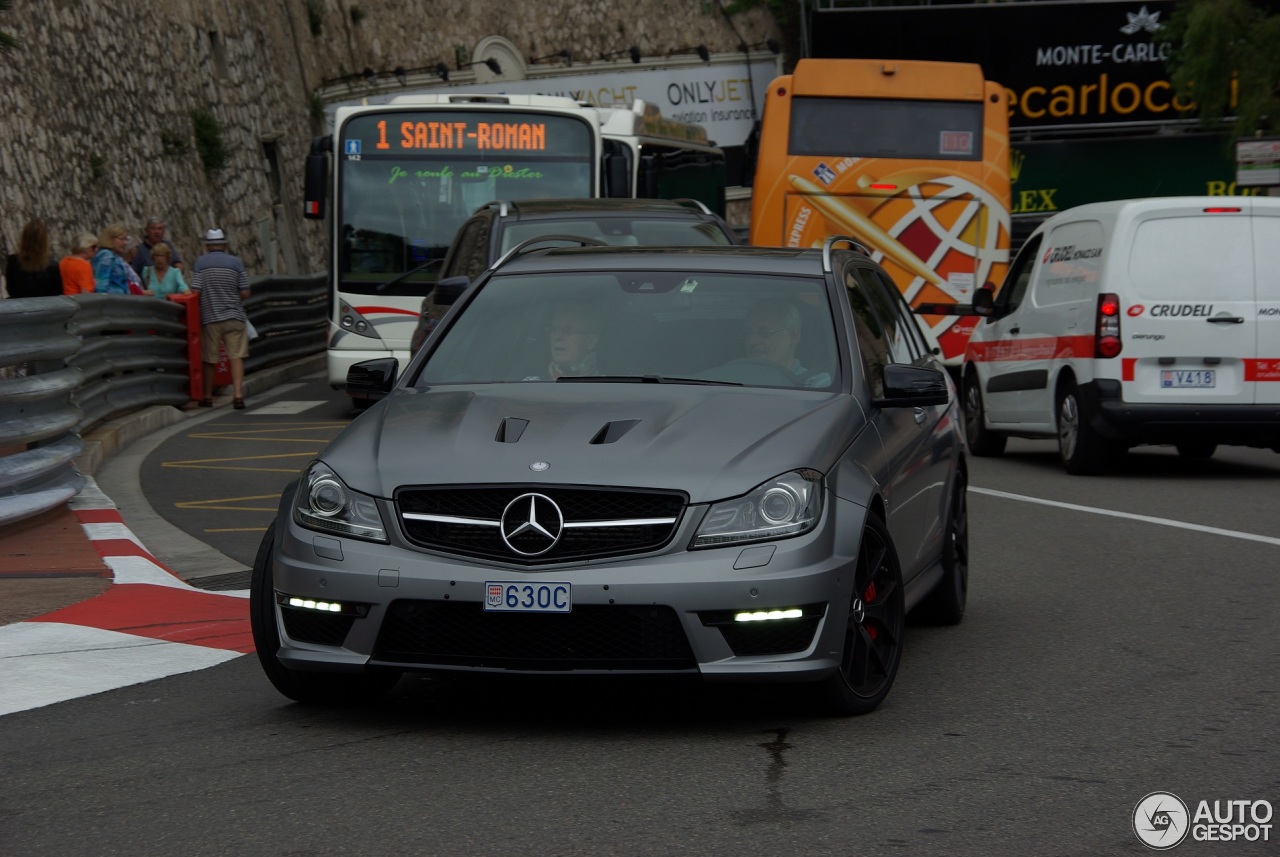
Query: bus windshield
point(410, 178)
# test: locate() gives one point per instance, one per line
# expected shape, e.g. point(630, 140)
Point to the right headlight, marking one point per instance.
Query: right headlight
point(787, 505)
point(326, 504)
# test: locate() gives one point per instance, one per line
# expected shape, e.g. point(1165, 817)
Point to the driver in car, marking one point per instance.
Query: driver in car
point(773, 331)
point(574, 335)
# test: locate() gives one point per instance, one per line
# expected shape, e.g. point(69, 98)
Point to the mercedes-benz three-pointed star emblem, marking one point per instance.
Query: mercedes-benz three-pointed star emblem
point(532, 524)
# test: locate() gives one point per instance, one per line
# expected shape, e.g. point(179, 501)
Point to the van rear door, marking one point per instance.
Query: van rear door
point(1266, 242)
point(1190, 323)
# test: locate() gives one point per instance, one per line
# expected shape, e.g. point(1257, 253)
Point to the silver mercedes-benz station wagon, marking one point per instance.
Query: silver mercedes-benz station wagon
point(735, 462)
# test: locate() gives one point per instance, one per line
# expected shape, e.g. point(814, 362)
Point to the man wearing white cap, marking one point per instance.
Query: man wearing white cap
point(220, 280)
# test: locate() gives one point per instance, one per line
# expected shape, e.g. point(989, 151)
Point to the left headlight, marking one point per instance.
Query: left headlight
point(787, 505)
point(326, 504)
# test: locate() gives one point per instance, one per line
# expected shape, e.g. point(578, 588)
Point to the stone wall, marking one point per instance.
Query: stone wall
point(96, 105)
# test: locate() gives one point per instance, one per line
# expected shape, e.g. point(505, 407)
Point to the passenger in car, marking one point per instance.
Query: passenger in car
point(773, 330)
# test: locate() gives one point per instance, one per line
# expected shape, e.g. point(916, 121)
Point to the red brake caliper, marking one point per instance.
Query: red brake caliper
point(867, 597)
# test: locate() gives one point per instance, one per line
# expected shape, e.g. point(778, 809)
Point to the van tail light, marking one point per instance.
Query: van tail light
point(1107, 343)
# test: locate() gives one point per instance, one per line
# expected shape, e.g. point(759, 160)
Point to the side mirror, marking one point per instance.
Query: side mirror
point(983, 305)
point(908, 386)
point(984, 301)
point(316, 179)
point(370, 380)
point(617, 181)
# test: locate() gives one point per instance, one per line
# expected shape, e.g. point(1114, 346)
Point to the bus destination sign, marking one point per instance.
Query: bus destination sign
point(454, 133)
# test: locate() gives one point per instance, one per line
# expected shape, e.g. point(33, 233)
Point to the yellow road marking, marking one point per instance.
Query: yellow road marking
point(218, 463)
point(212, 504)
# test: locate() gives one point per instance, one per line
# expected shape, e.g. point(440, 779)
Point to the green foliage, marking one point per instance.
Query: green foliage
point(1226, 59)
point(7, 42)
point(173, 145)
point(316, 106)
point(213, 154)
point(97, 166)
point(315, 16)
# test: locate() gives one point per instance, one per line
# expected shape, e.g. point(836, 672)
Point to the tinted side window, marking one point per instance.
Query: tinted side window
point(469, 254)
point(873, 342)
point(1019, 276)
point(900, 327)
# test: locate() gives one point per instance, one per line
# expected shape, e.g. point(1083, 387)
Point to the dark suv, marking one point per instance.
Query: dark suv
point(500, 225)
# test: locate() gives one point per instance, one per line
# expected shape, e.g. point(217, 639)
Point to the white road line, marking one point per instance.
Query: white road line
point(278, 408)
point(1164, 522)
point(46, 662)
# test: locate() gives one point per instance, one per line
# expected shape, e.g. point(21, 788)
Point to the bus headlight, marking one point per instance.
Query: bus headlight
point(788, 505)
point(325, 503)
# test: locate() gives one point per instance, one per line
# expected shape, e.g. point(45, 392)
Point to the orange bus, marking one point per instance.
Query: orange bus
point(909, 157)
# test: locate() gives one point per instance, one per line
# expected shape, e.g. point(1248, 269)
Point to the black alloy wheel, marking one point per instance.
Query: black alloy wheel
point(874, 631)
point(982, 441)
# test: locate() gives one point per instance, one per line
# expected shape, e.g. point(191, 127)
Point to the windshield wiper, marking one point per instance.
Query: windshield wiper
point(644, 379)
point(382, 287)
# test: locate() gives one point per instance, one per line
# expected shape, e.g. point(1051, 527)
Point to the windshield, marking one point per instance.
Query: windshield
point(408, 180)
point(645, 327)
point(651, 232)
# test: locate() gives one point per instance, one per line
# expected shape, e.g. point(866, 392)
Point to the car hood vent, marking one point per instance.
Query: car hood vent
point(510, 429)
point(611, 431)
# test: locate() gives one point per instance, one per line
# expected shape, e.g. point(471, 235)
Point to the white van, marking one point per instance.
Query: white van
point(1145, 321)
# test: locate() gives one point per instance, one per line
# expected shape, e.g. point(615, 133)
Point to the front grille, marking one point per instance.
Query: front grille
point(770, 638)
point(468, 521)
point(310, 626)
point(592, 637)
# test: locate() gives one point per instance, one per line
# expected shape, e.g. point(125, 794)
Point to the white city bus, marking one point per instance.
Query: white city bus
point(407, 173)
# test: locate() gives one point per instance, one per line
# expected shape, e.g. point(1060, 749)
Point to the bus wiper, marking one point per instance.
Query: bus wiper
point(645, 379)
point(382, 287)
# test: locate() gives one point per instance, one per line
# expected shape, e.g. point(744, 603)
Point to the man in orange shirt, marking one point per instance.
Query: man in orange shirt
point(77, 272)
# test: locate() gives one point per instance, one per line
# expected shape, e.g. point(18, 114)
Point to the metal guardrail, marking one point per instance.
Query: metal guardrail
point(68, 364)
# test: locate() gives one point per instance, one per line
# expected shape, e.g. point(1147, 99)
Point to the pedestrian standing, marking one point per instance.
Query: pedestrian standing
point(77, 273)
point(152, 237)
point(31, 272)
point(110, 274)
point(160, 278)
point(220, 280)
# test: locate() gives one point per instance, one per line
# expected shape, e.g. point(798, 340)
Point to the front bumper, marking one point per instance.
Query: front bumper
point(668, 612)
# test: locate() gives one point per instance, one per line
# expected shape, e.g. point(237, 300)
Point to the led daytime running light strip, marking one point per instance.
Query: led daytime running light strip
point(768, 615)
point(322, 606)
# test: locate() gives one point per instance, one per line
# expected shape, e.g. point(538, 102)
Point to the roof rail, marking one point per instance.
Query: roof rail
point(689, 202)
point(501, 203)
point(526, 245)
point(829, 245)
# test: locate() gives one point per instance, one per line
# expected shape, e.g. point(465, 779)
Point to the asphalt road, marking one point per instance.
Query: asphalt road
point(1120, 640)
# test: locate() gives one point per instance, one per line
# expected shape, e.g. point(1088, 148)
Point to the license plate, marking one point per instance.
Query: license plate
point(522, 596)
point(1187, 378)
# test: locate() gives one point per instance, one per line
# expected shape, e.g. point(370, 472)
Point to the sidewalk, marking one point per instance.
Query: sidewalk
point(48, 562)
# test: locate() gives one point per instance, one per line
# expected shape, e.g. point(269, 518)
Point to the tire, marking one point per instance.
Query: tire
point(945, 604)
point(316, 688)
point(1083, 451)
point(982, 441)
point(874, 630)
point(1197, 450)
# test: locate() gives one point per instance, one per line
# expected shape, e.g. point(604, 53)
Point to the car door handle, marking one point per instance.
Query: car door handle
point(919, 412)
point(1225, 319)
